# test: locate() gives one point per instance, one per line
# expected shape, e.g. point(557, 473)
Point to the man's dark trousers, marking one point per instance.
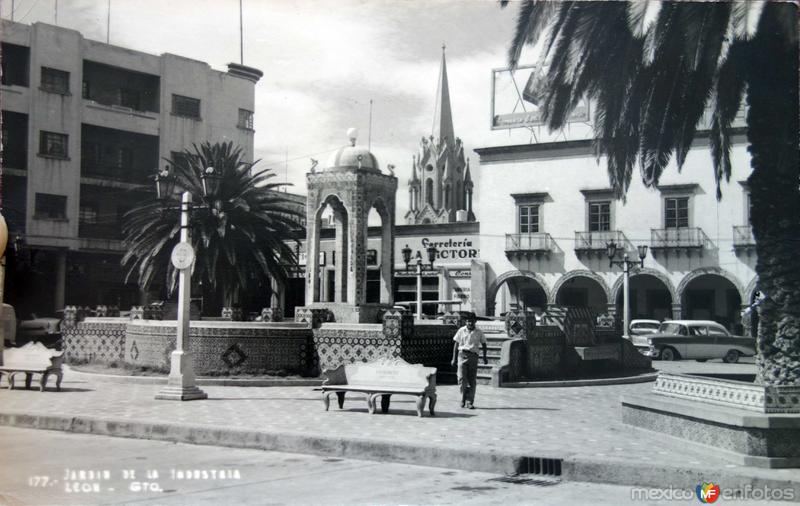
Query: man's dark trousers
point(467, 375)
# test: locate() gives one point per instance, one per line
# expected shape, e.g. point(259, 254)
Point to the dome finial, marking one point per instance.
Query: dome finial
point(352, 134)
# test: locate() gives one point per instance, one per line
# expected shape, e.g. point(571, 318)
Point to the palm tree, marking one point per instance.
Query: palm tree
point(241, 234)
point(651, 69)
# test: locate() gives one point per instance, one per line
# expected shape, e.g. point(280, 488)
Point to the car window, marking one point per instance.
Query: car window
point(647, 325)
point(672, 328)
point(698, 331)
point(716, 331)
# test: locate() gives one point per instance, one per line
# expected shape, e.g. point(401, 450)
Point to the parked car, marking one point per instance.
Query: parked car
point(644, 327)
point(34, 328)
point(694, 339)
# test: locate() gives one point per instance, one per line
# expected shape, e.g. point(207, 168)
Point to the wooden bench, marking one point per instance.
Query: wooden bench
point(382, 378)
point(32, 358)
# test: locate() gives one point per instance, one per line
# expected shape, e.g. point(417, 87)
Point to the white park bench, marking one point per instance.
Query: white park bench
point(32, 358)
point(382, 378)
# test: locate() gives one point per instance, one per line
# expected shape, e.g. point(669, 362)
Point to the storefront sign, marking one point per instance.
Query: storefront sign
point(460, 273)
point(450, 249)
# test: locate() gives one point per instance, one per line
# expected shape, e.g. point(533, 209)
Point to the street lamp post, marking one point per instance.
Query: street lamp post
point(626, 264)
point(181, 384)
point(420, 269)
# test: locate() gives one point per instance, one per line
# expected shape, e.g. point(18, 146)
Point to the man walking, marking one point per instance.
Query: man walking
point(465, 354)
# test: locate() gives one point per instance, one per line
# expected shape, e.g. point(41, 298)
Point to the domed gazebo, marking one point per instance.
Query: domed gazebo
point(351, 183)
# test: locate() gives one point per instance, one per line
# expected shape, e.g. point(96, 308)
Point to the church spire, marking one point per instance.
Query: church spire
point(443, 117)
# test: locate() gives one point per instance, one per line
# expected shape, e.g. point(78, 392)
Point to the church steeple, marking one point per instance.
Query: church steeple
point(443, 116)
point(438, 190)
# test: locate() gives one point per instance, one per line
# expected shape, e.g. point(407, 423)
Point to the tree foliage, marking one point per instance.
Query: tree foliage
point(241, 235)
point(650, 69)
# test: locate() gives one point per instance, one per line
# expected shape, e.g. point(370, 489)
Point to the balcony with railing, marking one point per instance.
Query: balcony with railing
point(743, 240)
point(594, 243)
point(527, 245)
point(664, 241)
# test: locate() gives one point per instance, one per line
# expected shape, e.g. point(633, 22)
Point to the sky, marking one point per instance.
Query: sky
point(323, 61)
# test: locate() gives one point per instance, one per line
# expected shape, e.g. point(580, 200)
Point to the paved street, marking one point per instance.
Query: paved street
point(579, 425)
point(45, 468)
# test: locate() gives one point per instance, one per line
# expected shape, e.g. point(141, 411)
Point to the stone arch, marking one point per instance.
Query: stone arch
point(750, 290)
point(617, 287)
point(577, 274)
point(491, 292)
point(335, 201)
point(702, 271)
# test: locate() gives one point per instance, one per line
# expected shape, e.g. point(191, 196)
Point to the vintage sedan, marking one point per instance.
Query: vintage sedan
point(644, 327)
point(694, 339)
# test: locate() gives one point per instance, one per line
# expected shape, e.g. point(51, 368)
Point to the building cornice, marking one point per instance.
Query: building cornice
point(573, 147)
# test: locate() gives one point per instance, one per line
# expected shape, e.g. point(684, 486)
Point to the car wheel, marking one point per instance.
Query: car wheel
point(731, 357)
point(669, 354)
point(702, 359)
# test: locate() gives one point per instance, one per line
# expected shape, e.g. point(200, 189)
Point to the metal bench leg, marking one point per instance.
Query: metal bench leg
point(326, 399)
point(340, 398)
point(385, 398)
point(28, 379)
point(432, 403)
point(11, 380)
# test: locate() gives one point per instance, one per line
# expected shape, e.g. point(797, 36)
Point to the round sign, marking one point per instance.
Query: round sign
point(182, 255)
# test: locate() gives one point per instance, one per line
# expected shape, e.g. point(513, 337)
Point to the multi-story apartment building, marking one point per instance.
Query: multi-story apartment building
point(84, 126)
point(544, 243)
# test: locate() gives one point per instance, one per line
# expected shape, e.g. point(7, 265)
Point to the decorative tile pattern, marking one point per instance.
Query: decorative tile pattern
point(234, 356)
point(736, 394)
point(314, 317)
point(272, 314)
point(520, 324)
point(214, 350)
point(95, 341)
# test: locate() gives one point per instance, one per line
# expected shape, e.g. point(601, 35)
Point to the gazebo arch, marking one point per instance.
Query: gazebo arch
point(491, 292)
point(617, 287)
point(579, 273)
point(703, 271)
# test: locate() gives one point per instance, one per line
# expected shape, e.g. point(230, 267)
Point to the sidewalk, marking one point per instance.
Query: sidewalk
point(578, 425)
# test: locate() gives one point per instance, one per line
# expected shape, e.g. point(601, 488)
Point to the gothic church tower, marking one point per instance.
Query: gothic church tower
point(440, 183)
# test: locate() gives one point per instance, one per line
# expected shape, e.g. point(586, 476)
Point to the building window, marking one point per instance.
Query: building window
point(185, 106)
point(53, 144)
point(15, 65)
point(85, 90)
point(245, 119)
point(676, 212)
point(55, 81)
point(133, 99)
point(429, 191)
point(748, 207)
point(50, 207)
point(87, 213)
point(528, 219)
point(599, 216)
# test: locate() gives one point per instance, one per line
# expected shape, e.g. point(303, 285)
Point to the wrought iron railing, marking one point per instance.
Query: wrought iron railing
point(661, 238)
point(540, 241)
point(598, 240)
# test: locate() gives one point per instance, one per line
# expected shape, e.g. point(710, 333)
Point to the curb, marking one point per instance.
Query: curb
point(624, 380)
point(201, 381)
point(570, 468)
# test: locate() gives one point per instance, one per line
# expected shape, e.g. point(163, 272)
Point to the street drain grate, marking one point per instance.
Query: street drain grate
point(523, 480)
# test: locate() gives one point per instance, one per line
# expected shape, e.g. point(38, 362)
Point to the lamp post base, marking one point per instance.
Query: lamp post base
point(181, 382)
